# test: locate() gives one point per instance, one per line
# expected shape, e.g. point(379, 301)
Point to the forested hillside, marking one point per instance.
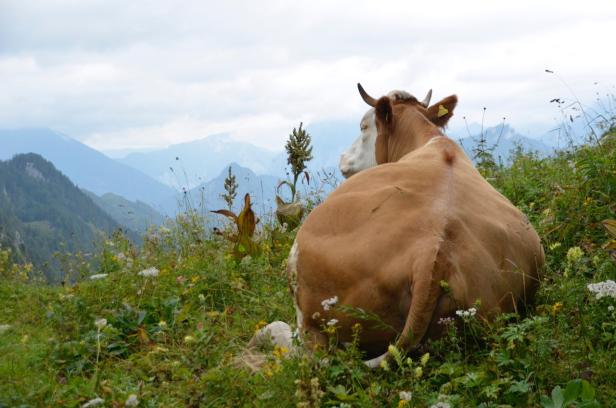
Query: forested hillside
point(135, 215)
point(43, 212)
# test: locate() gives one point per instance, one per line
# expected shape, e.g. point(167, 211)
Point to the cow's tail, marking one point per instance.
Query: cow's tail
point(425, 293)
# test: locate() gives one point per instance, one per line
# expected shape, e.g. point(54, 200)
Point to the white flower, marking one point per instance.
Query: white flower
point(98, 276)
point(4, 327)
point(201, 297)
point(445, 321)
point(466, 313)
point(121, 256)
point(440, 405)
point(100, 323)
point(328, 303)
point(332, 322)
point(93, 403)
point(406, 395)
point(603, 289)
point(131, 401)
point(149, 272)
point(610, 308)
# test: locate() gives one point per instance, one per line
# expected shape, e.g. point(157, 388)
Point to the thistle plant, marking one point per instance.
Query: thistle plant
point(230, 189)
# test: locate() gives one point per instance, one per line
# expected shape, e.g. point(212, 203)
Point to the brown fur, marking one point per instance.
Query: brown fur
point(386, 238)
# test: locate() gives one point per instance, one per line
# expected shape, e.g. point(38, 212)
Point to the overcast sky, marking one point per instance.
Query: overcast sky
point(127, 74)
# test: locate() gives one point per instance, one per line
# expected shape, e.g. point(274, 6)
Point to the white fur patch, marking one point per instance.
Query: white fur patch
point(361, 155)
point(292, 271)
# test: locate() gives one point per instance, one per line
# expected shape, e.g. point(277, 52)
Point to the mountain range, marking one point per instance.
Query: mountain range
point(85, 166)
point(186, 165)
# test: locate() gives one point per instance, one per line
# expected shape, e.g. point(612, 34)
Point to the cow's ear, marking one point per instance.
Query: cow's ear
point(442, 111)
point(384, 112)
point(384, 125)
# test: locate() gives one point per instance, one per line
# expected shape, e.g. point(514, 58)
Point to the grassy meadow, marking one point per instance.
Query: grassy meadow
point(163, 324)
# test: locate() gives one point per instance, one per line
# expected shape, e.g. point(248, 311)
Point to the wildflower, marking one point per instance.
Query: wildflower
point(556, 307)
point(332, 322)
point(554, 246)
point(201, 297)
point(131, 401)
point(384, 364)
point(100, 323)
point(328, 303)
point(440, 405)
point(610, 308)
point(393, 350)
point(4, 327)
point(603, 289)
point(149, 272)
point(98, 276)
point(162, 324)
point(424, 359)
point(418, 372)
point(180, 279)
point(280, 351)
point(25, 339)
point(405, 395)
point(466, 313)
point(93, 403)
point(574, 254)
point(444, 321)
point(189, 339)
point(445, 286)
point(121, 256)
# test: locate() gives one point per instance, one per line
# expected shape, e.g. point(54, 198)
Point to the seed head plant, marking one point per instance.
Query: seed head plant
point(299, 152)
point(230, 189)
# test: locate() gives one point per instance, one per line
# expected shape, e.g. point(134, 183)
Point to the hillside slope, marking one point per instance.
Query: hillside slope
point(42, 211)
point(135, 215)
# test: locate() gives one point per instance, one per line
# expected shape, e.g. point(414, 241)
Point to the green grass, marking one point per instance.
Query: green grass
point(173, 340)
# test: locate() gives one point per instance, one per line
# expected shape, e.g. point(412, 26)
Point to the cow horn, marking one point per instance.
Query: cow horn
point(426, 100)
point(364, 95)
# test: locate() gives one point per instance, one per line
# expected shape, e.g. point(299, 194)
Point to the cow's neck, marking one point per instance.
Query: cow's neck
point(411, 133)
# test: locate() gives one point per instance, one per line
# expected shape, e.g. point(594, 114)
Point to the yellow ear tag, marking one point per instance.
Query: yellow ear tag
point(442, 111)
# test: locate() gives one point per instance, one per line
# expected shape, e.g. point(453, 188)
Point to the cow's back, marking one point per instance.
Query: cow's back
point(364, 242)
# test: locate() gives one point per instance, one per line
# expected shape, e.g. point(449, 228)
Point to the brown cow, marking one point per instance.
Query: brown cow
point(389, 237)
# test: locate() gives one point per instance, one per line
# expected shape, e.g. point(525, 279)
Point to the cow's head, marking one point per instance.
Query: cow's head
point(361, 154)
point(405, 125)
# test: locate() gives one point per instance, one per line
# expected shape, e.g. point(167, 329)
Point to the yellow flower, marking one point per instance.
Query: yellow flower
point(260, 325)
point(574, 254)
point(280, 351)
point(556, 307)
point(189, 339)
point(554, 246)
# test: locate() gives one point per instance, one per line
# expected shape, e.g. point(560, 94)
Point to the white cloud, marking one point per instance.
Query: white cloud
point(148, 74)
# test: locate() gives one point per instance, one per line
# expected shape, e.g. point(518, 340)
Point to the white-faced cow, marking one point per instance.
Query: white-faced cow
point(390, 237)
point(360, 155)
